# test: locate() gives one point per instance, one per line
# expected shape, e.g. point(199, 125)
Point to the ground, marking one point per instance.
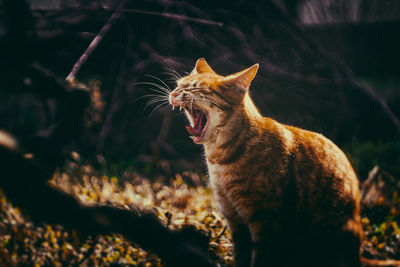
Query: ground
point(184, 199)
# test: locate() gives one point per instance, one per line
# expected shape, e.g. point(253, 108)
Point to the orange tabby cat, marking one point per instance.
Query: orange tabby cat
point(290, 196)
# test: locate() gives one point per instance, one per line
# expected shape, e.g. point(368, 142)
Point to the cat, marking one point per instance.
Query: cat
point(290, 196)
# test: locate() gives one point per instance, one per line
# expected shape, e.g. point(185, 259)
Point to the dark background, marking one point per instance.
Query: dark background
point(328, 66)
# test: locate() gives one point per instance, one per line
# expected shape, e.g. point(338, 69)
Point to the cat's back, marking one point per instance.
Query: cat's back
point(314, 151)
point(310, 150)
point(326, 182)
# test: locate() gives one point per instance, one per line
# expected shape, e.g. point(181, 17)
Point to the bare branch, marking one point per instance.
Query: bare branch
point(174, 16)
point(139, 11)
point(96, 41)
point(382, 103)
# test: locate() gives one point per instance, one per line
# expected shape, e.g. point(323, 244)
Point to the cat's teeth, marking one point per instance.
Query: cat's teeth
point(180, 108)
point(173, 107)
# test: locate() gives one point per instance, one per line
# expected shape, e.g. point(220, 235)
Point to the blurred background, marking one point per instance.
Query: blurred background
point(327, 66)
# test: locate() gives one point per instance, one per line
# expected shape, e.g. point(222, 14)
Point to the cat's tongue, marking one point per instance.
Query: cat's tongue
point(198, 124)
point(193, 131)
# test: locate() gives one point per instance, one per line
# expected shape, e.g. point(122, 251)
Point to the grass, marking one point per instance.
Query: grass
point(184, 199)
point(175, 202)
point(365, 155)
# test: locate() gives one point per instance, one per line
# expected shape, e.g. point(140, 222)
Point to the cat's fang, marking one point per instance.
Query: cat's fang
point(194, 138)
point(173, 107)
point(180, 108)
point(198, 124)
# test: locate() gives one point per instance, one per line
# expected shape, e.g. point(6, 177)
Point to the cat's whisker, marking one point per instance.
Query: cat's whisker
point(191, 102)
point(213, 102)
point(162, 93)
point(166, 85)
point(175, 73)
point(162, 104)
point(173, 77)
point(153, 95)
point(163, 89)
point(159, 92)
point(202, 97)
point(156, 99)
point(153, 101)
point(193, 88)
point(159, 98)
point(150, 83)
point(149, 104)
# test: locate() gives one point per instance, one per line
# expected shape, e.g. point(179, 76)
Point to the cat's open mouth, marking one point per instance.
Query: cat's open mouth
point(198, 123)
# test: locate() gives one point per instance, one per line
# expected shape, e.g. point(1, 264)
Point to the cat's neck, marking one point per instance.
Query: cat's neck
point(244, 121)
point(250, 108)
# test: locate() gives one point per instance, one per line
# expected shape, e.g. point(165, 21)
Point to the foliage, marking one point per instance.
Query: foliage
point(183, 200)
point(382, 239)
point(365, 155)
point(176, 203)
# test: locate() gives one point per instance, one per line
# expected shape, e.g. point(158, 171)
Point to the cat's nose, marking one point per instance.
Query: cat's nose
point(172, 98)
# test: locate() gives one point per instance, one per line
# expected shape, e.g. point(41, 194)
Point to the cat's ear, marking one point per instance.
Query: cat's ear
point(242, 79)
point(202, 67)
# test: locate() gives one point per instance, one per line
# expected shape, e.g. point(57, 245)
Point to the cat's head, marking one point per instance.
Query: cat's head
point(208, 98)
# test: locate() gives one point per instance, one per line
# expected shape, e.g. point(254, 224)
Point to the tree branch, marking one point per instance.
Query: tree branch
point(96, 41)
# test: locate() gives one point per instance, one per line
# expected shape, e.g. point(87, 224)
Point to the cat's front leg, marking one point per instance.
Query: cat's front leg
point(242, 245)
point(268, 246)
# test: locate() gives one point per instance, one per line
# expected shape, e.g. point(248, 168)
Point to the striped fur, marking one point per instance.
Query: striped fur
point(290, 196)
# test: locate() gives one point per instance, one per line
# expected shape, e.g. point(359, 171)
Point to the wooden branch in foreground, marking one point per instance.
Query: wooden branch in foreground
point(25, 181)
point(24, 184)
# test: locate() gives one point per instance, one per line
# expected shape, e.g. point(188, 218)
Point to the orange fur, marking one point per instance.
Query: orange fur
point(290, 196)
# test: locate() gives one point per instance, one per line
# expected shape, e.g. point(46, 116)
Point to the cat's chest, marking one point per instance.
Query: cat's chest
point(241, 191)
point(219, 177)
point(224, 191)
